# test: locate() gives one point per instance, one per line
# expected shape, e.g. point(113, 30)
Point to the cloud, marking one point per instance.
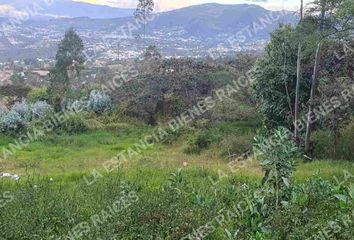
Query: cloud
point(169, 5)
point(7, 10)
point(160, 5)
point(255, 1)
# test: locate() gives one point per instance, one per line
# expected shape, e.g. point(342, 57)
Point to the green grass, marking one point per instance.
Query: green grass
point(70, 153)
point(53, 197)
point(76, 155)
point(170, 205)
point(324, 168)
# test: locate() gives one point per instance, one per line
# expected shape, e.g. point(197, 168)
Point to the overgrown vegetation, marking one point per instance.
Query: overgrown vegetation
point(236, 171)
point(173, 205)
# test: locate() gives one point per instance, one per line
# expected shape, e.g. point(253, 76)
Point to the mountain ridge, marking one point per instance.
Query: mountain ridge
point(183, 31)
point(63, 8)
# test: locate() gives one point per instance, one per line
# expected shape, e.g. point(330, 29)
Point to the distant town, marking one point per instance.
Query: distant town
point(102, 49)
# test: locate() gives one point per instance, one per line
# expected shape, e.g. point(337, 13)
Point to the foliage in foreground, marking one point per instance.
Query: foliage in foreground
point(182, 204)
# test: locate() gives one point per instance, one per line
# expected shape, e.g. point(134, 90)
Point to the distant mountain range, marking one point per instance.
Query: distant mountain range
point(79, 9)
point(197, 27)
point(214, 19)
point(206, 20)
point(63, 8)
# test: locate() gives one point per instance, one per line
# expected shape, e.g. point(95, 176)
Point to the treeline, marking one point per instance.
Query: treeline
point(304, 81)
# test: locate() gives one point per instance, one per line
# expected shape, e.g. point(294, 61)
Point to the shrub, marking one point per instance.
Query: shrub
point(174, 136)
point(202, 140)
point(278, 153)
point(236, 145)
point(232, 110)
point(23, 109)
point(325, 149)
point(41, 109)
point(3, 111)
point(94, 124)
point(74, 123)
point(80, 105)
point(38, 94)
point(99, 102)
point(12, 122)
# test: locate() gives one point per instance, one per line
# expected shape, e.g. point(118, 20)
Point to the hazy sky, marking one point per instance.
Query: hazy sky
point(173, 4)
point(12, 6)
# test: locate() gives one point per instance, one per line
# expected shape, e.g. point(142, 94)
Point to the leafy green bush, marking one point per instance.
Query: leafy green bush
point(325, 149)
point(278, 153)
point(38, 94)
point(236, 144)
point(174, 136)
point(224, 135)
point(74, 123)
point(232, 110)
point(202, 140)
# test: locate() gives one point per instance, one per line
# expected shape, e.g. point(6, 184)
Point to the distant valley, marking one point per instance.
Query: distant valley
point(195, 31)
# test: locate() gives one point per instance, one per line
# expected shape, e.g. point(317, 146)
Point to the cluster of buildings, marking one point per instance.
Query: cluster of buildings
point(104, 45)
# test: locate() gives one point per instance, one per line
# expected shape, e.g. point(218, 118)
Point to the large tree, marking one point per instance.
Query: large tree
point(298, 76)
point(326, 24)
point(69, 61)
point(333, 21)
point(166, 88)
point(152, 52)
point(274, 77)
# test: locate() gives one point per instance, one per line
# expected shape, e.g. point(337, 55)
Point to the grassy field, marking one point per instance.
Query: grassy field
point(57, 155)
point(163, 193)
point(166, 203)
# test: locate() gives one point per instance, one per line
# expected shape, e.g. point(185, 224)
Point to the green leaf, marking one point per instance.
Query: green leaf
point(284, 203)
point(266, 162)
point(351, 191)
point(228, 233)
point(341, 197)
point(286, 181)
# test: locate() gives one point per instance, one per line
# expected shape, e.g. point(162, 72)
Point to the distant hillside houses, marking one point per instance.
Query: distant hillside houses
point(41, 73)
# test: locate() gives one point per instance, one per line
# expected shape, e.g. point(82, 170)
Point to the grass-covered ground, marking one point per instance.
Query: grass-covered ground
point(149, 198)
point(63, 154)
point(150, 203)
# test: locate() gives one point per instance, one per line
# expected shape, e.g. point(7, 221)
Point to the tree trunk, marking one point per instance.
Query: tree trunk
point(298, 75)
point(312, 97)
point(336, 133)
point(286, 85)
point(276, 190)
point(298, 72)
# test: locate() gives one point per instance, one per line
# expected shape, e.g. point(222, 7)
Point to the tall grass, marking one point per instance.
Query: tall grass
point(170, 205)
